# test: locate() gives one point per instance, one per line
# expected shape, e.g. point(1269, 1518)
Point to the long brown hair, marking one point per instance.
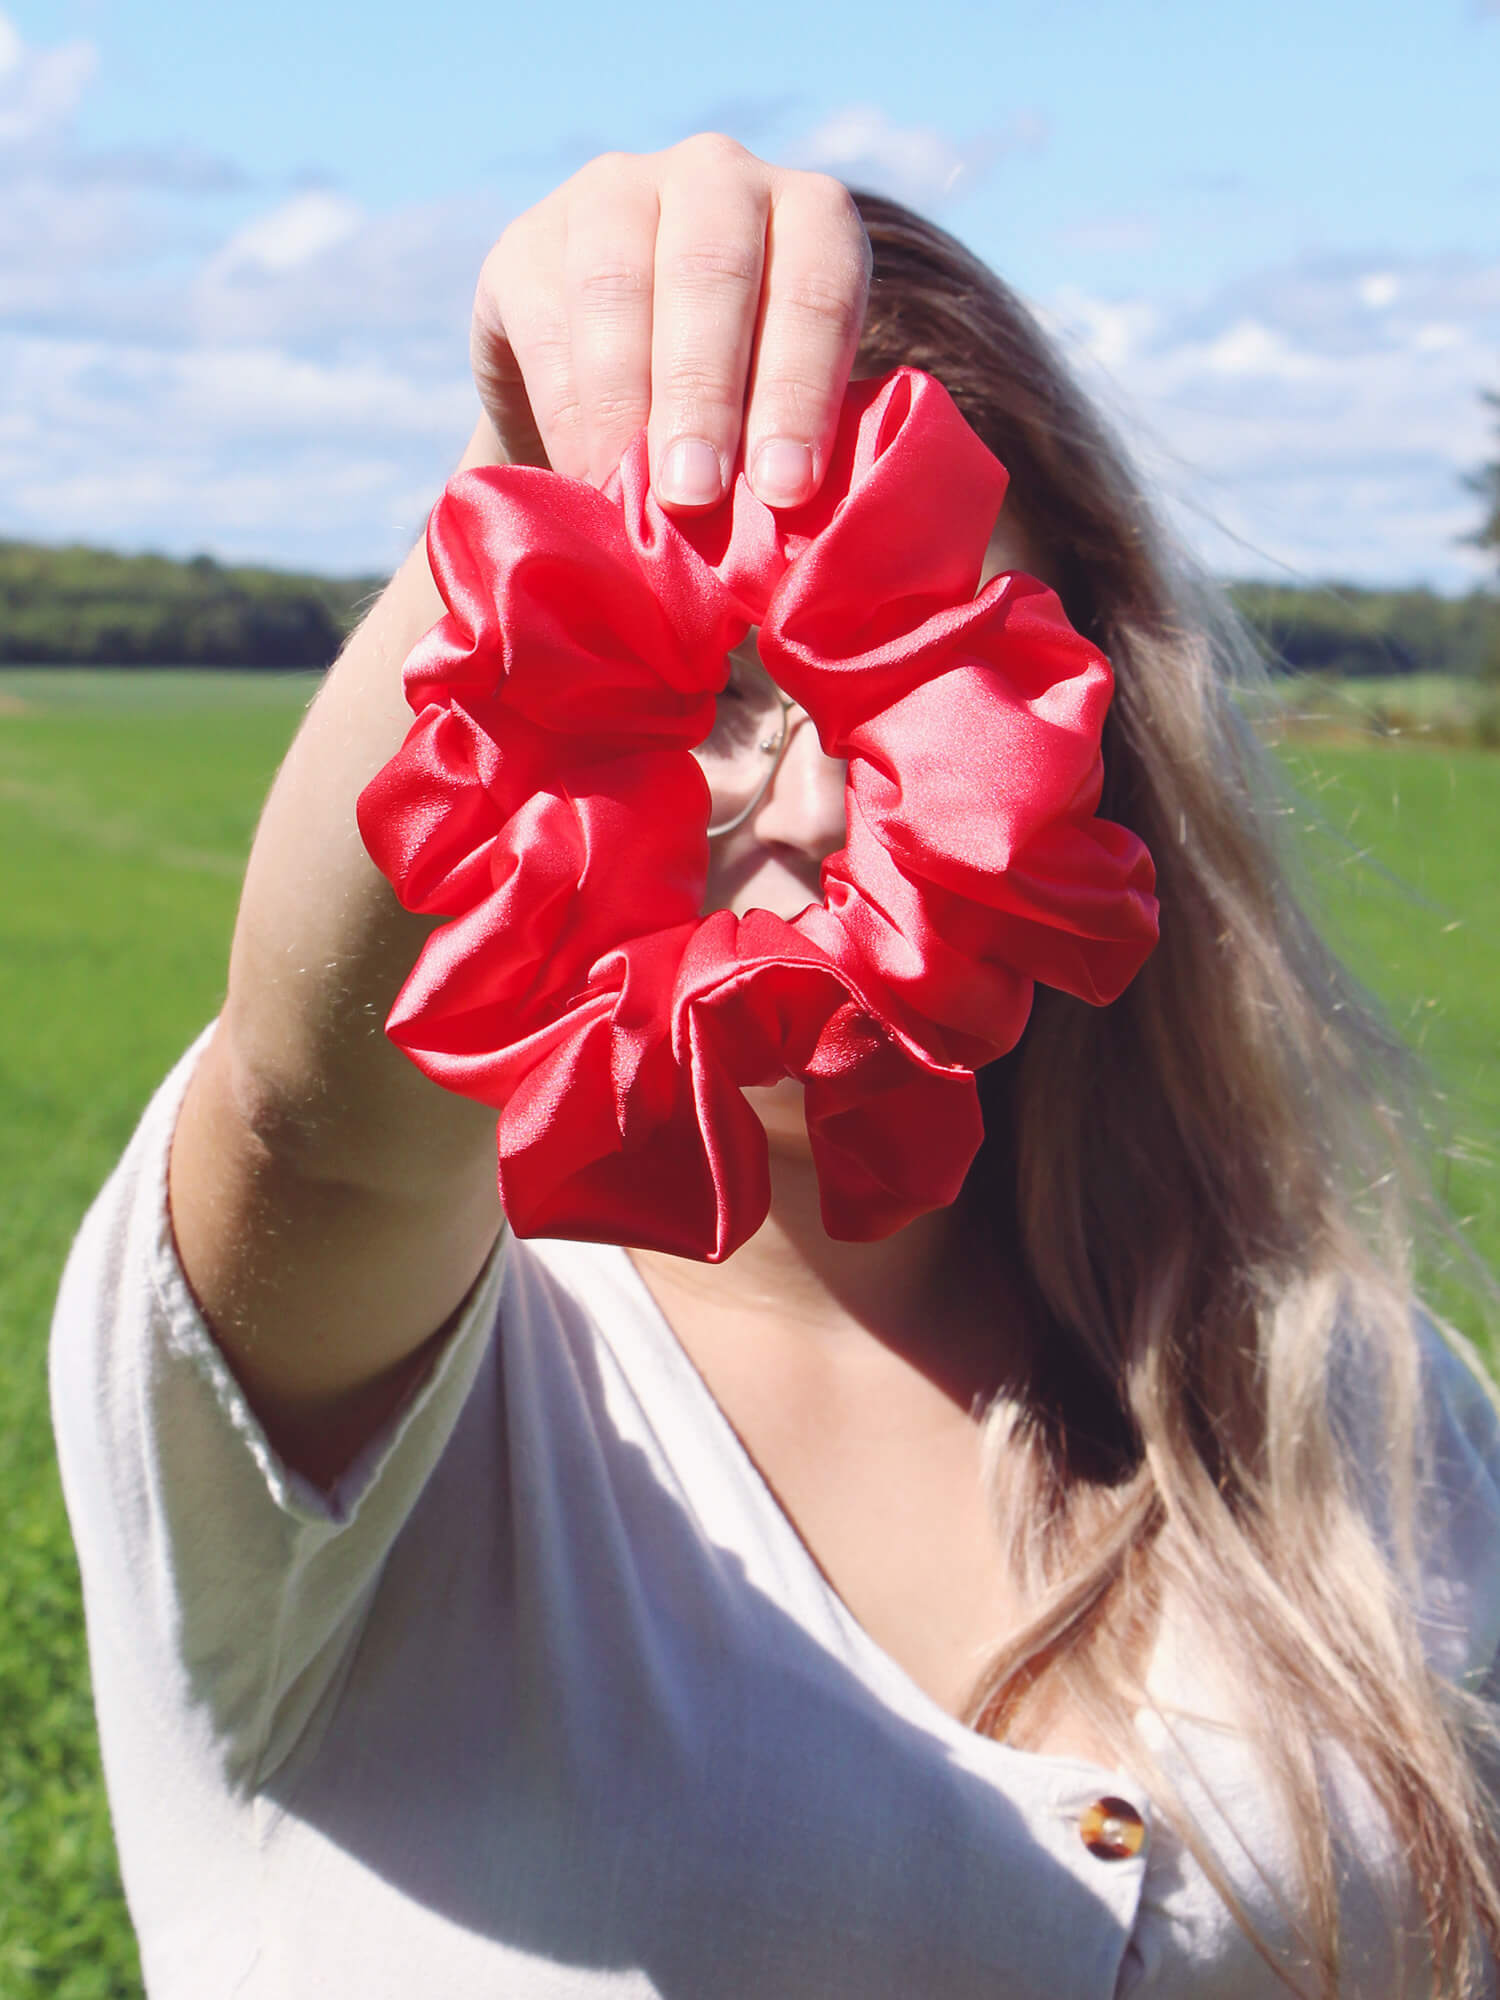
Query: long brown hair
point(1207, 1193)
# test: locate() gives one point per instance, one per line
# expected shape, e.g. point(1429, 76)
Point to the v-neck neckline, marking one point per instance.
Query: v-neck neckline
point(879, 1668)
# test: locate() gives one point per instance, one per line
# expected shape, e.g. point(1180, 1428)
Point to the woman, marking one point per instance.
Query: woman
point(1071, 1593)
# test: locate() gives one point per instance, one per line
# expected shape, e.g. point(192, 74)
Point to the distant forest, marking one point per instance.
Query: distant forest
point(1338, 628)
point(89, 607)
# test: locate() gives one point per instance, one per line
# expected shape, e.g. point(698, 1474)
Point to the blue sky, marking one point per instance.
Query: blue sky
point(237, 242)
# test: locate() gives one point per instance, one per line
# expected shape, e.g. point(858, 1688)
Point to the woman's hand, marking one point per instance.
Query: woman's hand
point(698, 292)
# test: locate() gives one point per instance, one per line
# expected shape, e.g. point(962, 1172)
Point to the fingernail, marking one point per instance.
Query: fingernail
point(691, 475)
point(783, 472)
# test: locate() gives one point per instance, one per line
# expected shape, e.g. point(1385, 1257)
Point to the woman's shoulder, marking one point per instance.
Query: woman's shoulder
point(1459, 1510)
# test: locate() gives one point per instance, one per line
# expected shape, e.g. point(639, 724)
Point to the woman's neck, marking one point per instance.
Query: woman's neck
point(929, 1292)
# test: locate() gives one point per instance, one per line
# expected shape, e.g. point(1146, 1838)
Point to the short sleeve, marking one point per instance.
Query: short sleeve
point(217, 1582)
point(1460, 1612)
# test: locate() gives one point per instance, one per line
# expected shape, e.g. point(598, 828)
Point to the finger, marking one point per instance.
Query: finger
point(518, 345)
point(816, 285)
point(610, 257)
point(710, 252)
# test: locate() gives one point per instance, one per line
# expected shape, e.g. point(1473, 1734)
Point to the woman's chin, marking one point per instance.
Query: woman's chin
point(780, 1109)
point(746, 878)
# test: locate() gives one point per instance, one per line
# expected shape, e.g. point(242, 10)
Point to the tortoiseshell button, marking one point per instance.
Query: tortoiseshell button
point(1112, 1830)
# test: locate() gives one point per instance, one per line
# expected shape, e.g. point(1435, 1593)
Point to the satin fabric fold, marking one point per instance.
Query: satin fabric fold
point(546, 803)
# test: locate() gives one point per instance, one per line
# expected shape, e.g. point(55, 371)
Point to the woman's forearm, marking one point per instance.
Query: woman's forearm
point(321, 945)
point(330, 1205)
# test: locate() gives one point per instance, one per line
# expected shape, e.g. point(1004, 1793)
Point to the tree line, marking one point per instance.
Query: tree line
point(90, 607)
point(1347, 631)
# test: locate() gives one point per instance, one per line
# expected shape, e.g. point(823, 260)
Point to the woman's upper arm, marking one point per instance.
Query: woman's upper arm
point(223, 1590)
point(1461, 1553)
point(331, 1204)
point(326, 1293)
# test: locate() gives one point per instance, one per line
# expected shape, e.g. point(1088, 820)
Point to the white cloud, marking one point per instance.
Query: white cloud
point(248, 451)
point(237, 391)
point(1108, 331)
point(1255, 351)
point(182, 367)
point(319, 269)
point(862, 145)
point(1379, 288)
point(39, 88)
point(84, 234)
point(54, 243)
point(290, 235)
point(1291, 426)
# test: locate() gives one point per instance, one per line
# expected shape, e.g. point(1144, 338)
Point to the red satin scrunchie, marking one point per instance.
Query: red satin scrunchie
point(546, 802)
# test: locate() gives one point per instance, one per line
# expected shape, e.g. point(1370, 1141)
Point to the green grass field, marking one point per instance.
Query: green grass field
point(126, 808)
point(1434, 709)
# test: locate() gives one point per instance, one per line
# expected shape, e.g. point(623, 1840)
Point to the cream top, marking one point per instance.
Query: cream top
point(547, 1699)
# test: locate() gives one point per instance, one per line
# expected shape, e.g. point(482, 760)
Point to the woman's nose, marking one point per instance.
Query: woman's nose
point(804, 806)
